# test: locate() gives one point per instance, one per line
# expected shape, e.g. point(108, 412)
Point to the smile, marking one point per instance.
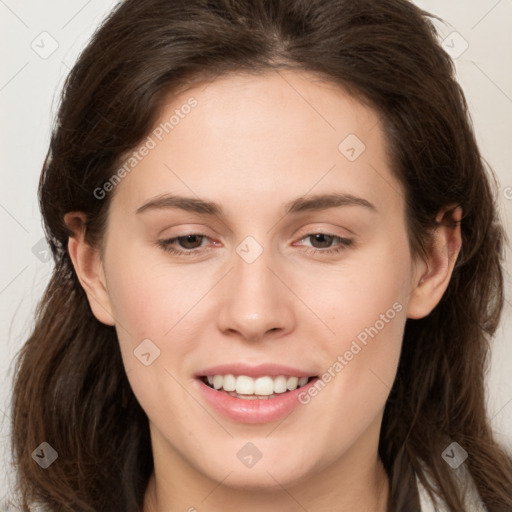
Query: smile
point(248, 388)
point(253, 394)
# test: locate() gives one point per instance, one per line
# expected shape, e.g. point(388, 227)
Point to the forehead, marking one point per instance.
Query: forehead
point(259, 138)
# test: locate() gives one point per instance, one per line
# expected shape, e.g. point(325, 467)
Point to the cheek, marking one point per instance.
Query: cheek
point(149, 297)
point(154, 300)
point(146, 301)
point(370, 290)
point(366, 307)
point(147, 306)
point(141, 308)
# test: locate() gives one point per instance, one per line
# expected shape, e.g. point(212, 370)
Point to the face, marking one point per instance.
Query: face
point(297, 272)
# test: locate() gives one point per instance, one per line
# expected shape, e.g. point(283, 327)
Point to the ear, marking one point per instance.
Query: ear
point(89, 268)
point(432, 275)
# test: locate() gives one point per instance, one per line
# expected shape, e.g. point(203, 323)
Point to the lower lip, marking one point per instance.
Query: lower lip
point(257, 410)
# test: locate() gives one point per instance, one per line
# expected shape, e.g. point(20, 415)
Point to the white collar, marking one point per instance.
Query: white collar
point(472, 500)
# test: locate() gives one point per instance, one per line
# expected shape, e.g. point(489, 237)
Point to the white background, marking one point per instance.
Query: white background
point(29, 89)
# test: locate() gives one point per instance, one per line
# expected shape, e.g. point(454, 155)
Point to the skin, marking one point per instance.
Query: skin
point(275, 135)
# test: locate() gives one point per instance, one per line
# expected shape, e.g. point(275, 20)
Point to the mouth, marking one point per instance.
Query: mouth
point(264, 387)
point(253, 394)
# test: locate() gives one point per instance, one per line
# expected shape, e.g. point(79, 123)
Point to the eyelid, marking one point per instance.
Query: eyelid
point(312, 229)
point(184, 229)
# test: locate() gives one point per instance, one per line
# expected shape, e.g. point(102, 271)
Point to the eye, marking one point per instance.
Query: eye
point(324, 240)
point(192, 244)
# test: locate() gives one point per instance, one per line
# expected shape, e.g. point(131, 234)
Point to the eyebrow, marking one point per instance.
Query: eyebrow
point(298, 205)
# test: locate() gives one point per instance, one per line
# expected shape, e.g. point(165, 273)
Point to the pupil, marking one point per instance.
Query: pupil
point(186, 240)
point(327, 238)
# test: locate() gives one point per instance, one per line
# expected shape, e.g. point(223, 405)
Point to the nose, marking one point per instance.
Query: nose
point(255, 300)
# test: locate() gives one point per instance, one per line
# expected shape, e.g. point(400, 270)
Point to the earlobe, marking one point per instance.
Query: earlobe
point(89, 268)
point(433, 277)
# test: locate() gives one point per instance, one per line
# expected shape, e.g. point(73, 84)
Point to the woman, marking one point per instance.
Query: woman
point(278, 266)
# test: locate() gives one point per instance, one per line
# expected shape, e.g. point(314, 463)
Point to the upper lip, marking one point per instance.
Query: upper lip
point(259, 370)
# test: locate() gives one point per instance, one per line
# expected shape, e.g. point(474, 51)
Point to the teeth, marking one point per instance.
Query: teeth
point(261, 387)
point(280, 384)
point(229, 383)
point(292, 383)
point(218, 381)
point(244, 385)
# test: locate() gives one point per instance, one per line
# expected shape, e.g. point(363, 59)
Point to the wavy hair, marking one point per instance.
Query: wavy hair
point(70, 385)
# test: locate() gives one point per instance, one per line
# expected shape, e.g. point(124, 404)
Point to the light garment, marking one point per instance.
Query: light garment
point(472, 500)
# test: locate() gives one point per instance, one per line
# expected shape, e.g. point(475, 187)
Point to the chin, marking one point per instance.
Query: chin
point(268, 474)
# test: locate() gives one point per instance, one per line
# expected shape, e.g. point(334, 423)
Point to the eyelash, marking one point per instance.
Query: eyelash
point(166, 245)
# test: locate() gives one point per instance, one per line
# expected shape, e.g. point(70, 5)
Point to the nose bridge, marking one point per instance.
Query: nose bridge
point(252, 276)
point(254, 299)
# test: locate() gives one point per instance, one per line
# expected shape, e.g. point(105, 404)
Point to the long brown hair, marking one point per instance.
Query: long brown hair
point(71, 389)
